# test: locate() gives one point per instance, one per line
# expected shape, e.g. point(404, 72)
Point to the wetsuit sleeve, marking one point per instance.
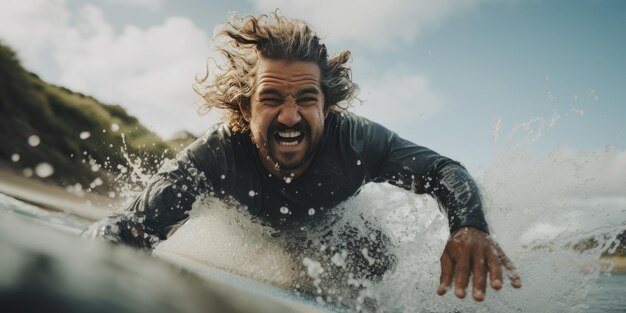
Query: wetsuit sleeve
point(162, 205)
point(400, 162)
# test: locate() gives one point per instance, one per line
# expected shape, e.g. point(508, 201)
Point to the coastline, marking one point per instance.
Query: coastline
point(618, 264)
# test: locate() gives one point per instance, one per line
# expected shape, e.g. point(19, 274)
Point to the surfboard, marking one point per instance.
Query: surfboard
point(44, 264)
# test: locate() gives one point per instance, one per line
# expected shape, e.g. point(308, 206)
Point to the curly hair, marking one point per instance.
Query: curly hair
point(243, 40)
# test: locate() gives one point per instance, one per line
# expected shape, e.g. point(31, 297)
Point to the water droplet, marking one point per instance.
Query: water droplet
point(15, 157)
point(223, 176)
point(115, 127)
point(251, 193)
point(44, 170)
point(311, 211)
point(95, 167)
point(34, 140)
point(287, 180)
point(358, 162)
point(28, 172)
point(179, 195)
point(284, 210)
point(84, 135)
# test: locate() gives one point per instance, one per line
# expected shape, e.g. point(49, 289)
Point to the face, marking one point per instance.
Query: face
point(286, 114)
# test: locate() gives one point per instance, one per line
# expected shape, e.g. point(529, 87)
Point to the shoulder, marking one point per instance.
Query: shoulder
point(361, 132)
point(211, 151)
point(218, 136)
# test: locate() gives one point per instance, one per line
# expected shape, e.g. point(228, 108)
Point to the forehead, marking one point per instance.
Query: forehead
point(286, 75)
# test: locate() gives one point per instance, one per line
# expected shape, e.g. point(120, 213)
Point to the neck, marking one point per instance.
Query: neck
point(287, 175)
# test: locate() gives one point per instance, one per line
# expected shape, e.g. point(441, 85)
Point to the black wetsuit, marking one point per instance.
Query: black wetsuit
point(353, 152)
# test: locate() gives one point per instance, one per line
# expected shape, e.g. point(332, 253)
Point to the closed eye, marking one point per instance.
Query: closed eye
point(271, 101)
point(307, 100)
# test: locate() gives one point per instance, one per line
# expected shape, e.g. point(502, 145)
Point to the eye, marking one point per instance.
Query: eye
point(307, 100)
point(271, 101)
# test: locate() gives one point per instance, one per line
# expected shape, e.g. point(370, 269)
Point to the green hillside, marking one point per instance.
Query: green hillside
point(80, 137)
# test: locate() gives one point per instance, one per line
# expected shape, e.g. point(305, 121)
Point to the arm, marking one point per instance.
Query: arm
point(469, 249)
point(163, 204)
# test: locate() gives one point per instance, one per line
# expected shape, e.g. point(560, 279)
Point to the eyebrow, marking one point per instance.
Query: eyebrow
point(308, 90)
point(275, 92)
point(270, 91)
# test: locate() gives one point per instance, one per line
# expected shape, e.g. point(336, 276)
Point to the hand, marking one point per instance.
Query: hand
point(470, 249)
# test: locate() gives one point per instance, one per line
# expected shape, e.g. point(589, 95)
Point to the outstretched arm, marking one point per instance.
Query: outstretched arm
point(162, 205)
point(470, 251)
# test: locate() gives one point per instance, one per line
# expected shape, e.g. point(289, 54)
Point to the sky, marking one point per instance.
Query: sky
point(464, 78)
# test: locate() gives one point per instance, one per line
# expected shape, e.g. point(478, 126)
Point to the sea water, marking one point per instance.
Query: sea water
point(553, 215)
point(605, 291)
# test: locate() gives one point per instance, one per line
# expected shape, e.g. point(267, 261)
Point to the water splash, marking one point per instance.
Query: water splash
point(554, 215)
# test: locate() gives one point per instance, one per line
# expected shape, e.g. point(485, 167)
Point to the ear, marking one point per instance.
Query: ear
point(326, 110)
point(244, 107)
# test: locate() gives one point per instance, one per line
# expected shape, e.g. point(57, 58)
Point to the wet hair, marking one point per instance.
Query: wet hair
point(243, 40)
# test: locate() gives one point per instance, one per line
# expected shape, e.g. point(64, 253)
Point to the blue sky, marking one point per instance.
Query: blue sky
point(440, 73)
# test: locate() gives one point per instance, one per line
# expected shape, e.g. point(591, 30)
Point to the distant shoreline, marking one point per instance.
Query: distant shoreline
point(619, 263)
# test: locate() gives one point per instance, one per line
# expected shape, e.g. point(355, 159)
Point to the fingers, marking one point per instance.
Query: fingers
point(479, 276)
point(462, 275)
point(511, 272)
point(495, 268)
point(445, 279)
point(474, 253)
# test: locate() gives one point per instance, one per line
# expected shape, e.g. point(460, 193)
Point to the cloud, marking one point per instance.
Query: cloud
point(149, 71)
point(409, 95)
point(378, 25)
point(32, 26)
point(146, 4)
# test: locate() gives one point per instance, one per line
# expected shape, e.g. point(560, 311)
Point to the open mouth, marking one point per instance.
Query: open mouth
point(289, 137)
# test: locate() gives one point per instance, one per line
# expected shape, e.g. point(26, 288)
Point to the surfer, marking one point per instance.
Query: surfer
point(290, 152)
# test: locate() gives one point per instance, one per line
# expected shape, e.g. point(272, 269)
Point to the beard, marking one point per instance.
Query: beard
point(288, 161)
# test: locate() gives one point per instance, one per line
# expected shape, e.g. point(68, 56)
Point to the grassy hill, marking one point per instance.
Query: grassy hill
point(80, 138)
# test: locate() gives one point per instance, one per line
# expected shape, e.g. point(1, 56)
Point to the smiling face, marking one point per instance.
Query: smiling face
point(286, 114)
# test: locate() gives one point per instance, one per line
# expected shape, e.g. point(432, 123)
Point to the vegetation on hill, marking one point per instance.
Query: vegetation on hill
point(81, 140)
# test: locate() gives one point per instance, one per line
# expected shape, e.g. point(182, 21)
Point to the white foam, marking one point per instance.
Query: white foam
point(227, 238)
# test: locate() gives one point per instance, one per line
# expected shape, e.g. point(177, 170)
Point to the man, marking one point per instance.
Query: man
point(289, 153)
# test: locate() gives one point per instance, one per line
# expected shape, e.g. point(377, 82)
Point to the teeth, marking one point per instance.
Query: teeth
point(289, 134)
point(290, 143)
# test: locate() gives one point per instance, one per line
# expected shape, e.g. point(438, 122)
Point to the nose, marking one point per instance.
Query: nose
point(289, 114)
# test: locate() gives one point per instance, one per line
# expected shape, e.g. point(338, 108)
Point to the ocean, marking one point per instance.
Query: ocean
point(571, 284)
point(608, 294)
